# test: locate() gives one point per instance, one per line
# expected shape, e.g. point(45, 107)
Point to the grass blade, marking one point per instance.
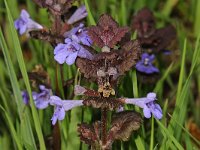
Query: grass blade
point(90, 16)
point(24, 118)
point(20, 59)
point(170, 136)
point(12, 129)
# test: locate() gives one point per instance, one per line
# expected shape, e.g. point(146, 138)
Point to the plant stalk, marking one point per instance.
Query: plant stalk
point(104, 125)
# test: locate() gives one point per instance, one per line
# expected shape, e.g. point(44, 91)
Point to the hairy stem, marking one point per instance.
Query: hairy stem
point(103, 125)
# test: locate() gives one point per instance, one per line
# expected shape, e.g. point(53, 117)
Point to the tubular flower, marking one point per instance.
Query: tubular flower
point(79, 14)
point(61, 106)
point(24, 23)
point(148, 104)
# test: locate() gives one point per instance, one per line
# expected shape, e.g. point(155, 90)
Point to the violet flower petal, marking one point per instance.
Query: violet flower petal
point(24, 23)
point(62, 54)
point(145, 65)
point(157, 111)
point(83, 53)
point(25, 97)
point(147, 112)
point(71, 58)
point(79, 14)
point(59, 114)
point(42, 99)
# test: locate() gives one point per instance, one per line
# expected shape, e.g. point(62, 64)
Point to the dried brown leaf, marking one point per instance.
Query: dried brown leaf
point(102, 102)
point(160, 39)
point(148, 35)
point(87, 67)
point(122, 60)
point(46, 36)
point(123, 124)
point(39, 2)
point(59, 7)
point(130, 53)
point(144, 23)
point(194, 129)
point(87, 133)
point(107, 32)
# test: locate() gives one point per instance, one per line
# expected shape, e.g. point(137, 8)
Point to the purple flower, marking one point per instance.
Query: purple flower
point(145, 65)
point(69, 51)
point(166, 52)
point(79, 34)
point(61, 106)
point(148, 104)
point(25, 97)
point(25, 23)
point(79, 14)
point(42, 99)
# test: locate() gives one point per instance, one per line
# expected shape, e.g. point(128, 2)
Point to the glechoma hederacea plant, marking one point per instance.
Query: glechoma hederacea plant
point(74, 43)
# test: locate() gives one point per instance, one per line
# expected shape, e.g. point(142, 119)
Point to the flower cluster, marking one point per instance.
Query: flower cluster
point(44, 98)
point(73, 48)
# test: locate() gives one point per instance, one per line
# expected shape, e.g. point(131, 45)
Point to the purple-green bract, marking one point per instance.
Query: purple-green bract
point(24, 23)
point(145, 64)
